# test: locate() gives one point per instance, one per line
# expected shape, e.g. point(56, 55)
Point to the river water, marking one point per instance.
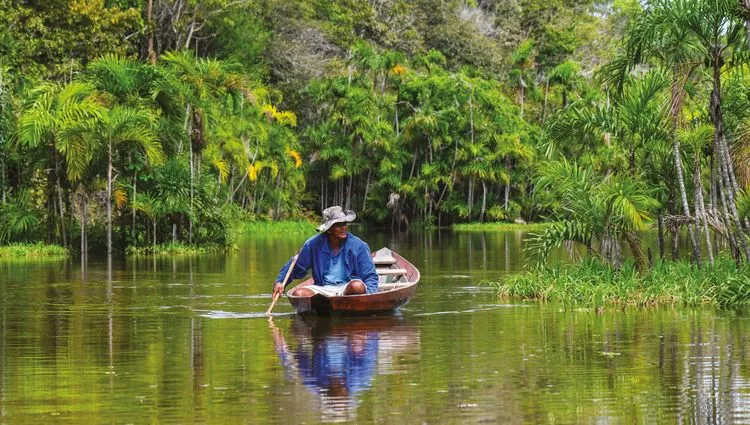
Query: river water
point(184, 340)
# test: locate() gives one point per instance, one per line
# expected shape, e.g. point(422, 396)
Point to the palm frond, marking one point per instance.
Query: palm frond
point(540, 245)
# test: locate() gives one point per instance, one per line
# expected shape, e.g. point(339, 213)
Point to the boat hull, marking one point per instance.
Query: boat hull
point(384, 302)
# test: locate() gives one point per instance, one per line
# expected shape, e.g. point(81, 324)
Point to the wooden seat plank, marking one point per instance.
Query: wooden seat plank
point(391, 271)
point(384, 261)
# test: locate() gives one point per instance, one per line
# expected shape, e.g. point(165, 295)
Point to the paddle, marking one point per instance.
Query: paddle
point(277, 295)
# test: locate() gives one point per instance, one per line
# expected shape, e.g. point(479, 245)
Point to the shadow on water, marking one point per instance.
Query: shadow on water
point(337, 358)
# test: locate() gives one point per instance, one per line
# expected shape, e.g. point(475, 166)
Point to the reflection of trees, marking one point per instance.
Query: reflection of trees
point(60, 336)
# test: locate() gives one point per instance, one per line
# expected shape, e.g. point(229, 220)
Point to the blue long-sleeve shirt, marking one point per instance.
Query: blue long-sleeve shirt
point(316, 253)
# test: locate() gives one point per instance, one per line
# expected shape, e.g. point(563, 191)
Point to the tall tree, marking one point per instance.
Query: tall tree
point(45, 126)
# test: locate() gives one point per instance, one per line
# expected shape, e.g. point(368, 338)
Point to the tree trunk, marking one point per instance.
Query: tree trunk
point(509, 166)
point(714, 206)
point(60, 201)
point(84, 214)
point(521, 95)
point(471, 113)
point(349, 193)
point(641, 261)
point(700, 212)
point(725, 166)
point(484, 201)
point(470, 201)
point(188, 125)
point(660, 234)
point(506, 195)
point(367, 187)
point(276, 213)
point(733, 244)
point(678, 167)
point(135, 193)
point(413, 164)
point(546, 92)
point(150, 23)
point(109, 198)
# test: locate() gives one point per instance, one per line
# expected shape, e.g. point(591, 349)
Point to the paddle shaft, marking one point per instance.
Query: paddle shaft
point(277, 295)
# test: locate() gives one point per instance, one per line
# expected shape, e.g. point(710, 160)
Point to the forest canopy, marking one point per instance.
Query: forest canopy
point(129, 123)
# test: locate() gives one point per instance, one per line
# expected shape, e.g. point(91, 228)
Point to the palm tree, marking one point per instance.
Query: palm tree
point(45, 123)
point(697, 138)
point(594, 209)
point(201, 85)
point(90, 187)
point(567, 77)
point(150, 206)
point(118, 130)
point(683, 35)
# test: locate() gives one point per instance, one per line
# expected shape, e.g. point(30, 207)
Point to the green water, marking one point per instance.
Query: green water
point(183, 340)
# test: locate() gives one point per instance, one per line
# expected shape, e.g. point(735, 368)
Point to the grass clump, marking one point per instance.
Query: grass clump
point(593, 284)
point(174, 249)
point(19, 250)
point(497, 226)
point(286, 227)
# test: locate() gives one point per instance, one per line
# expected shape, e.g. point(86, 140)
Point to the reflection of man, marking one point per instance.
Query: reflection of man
point(336, 365)
point(341, 262)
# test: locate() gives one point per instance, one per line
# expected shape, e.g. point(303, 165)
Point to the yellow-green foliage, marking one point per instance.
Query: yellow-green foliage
point(18, 250)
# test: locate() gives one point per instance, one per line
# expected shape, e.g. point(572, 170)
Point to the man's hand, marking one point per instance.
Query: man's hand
point(278, 288)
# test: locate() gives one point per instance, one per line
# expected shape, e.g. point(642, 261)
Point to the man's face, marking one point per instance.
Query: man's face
point(338, 230)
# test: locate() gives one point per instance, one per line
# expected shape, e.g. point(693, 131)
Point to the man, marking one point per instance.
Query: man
point(341, 262)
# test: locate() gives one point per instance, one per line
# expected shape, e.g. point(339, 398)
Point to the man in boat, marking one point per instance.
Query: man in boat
point(341, 262)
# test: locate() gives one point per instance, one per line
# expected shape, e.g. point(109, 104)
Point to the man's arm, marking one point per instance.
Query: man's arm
point(304, 261)
point(366, 269)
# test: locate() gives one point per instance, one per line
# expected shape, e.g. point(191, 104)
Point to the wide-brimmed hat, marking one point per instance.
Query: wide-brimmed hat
point(335, 214)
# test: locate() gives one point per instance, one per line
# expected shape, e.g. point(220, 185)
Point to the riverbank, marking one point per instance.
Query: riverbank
point(594, 285)
point(27, 250)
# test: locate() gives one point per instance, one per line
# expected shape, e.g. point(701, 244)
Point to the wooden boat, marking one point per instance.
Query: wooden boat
point(398, 280)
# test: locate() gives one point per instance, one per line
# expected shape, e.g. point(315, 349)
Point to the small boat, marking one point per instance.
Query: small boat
point(397, 281)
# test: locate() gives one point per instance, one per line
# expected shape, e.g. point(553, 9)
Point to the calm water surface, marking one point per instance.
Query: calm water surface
point(184, 340)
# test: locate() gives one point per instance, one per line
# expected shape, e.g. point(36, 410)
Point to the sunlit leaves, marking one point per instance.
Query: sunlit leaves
point(54, 116)
point(19, 219)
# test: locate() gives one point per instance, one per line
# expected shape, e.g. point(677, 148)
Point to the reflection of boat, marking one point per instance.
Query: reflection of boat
point(338, 358)
point(398, 281)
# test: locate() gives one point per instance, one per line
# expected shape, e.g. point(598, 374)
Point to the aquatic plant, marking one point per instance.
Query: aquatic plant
point(39, 249)
point(285, 226)
point(175, 249)
point(498, 226)
point(595, 284)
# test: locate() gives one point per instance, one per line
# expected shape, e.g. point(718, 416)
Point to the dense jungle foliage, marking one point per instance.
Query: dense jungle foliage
point(127, 123)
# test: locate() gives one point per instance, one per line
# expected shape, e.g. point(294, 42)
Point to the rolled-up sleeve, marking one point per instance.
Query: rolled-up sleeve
point(366, 268)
